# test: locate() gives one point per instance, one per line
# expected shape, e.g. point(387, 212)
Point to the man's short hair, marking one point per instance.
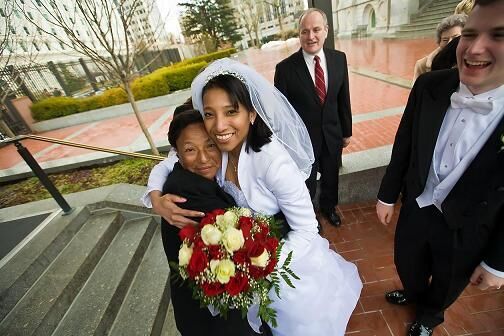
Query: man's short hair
point(455, 20)
point(312, 10)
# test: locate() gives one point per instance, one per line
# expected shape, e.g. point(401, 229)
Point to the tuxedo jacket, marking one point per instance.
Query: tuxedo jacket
point(330, 121)
point(478, 196)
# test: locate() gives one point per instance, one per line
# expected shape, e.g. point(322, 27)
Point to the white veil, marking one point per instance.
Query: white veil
point(269, 103)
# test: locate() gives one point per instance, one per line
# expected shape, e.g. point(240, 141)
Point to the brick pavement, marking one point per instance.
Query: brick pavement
point(364, 241)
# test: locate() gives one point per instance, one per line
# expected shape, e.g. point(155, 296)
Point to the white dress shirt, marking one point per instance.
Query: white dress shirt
point(310, 63)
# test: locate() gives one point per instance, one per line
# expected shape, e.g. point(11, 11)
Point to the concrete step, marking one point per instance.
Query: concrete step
point(101, 297)
point(42, 307)
point(21, 271)
point(144, 310)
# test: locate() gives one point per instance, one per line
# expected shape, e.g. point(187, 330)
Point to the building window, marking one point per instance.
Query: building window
point(26, 31)
point(2, 12)
point(12, 30)
point(38, 2)
point(62, 45)
point(23, 46)
point(48, 46)
point(65, 7)
point(53, 31)
point(77, 32)
point(30, 15)
point(36, 46)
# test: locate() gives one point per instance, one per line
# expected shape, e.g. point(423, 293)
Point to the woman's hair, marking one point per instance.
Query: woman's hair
point(454, 20)
point(180, 122)
point(464, 7)
point(259, 134)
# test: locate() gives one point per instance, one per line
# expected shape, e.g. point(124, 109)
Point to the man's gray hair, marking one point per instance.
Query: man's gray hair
point(312, 10)
point(455, 20)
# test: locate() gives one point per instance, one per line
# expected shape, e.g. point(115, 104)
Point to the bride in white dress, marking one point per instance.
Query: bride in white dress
point(266, 157)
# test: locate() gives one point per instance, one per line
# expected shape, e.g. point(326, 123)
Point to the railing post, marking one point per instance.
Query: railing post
point(42, 176)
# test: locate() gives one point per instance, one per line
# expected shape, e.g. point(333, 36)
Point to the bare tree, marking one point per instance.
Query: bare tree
point(277, 8)
point(250, 12)
point(109, 32)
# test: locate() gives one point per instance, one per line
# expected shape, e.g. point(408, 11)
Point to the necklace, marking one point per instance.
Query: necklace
point(235, 166)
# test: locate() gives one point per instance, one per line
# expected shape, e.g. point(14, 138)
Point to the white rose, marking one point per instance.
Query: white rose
point(229, 219)
point(211, 235)
point(233, 239)
point(245, 212)
point(184, 255)
point(223, 269)
point(260, 261)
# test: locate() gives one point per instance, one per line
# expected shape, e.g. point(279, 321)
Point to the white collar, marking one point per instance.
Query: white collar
point(491, 95)
point(309, 57)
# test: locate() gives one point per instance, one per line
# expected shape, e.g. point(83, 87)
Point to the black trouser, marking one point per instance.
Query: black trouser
point(328, 165)
point(426, 247)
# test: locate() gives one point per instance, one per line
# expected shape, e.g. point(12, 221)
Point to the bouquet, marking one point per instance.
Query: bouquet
point(231, 261)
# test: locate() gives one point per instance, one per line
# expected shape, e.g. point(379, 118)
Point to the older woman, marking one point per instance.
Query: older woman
point(193, 177)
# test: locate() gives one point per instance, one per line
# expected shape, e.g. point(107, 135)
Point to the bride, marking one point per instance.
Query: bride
point(266, 157)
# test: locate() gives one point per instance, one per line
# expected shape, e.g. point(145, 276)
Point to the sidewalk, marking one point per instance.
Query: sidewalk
point(376, 94)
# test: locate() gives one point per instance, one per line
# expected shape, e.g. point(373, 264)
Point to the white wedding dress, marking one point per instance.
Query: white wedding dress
point(326, 294)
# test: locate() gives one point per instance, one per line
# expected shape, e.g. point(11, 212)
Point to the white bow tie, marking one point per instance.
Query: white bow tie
point(459, 100)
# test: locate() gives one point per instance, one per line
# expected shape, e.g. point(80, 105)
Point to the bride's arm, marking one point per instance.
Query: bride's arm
point(165, 205)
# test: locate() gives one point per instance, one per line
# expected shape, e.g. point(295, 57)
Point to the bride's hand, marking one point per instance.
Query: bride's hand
point(166, 207)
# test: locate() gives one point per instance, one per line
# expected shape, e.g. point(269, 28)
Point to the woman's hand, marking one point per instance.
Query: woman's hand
point(166, 207)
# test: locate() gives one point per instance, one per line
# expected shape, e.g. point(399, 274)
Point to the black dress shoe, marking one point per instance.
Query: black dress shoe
point(397, 297)
point(418, 329)
point(332, 217)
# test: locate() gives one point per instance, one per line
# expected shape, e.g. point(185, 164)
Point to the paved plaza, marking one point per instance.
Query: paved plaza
point(380, 76)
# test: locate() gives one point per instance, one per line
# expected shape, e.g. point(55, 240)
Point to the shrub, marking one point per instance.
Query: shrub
point(179, 78)
point(54, 107)
point(111, 97)
point(152, 85)
point(207, 58)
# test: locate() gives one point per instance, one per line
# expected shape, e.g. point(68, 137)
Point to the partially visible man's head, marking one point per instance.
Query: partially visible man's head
point(480, 53)
point(313, 30)
point(449, 28)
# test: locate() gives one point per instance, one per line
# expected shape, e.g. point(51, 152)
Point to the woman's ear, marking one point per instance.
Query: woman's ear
point(252, 116)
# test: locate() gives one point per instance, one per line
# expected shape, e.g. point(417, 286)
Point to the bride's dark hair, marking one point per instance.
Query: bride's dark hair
point(259, 134)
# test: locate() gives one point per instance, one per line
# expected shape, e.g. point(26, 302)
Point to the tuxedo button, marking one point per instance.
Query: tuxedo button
point(500, 189)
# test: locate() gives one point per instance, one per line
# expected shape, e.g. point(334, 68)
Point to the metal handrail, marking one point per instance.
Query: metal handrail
point(80, 145)
point(42, 176)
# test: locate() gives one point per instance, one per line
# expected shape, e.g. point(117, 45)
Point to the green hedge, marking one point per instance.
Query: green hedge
point(171, 78)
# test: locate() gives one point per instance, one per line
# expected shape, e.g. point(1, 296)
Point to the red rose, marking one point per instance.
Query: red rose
point(187, 232)
point(260, 236)
point(254, 248)
point(245, 224)
point(240, 257)
point(270, 267)
point(237, 284)
point(256, 272)
point(264, 228)
point(212, 289)
point(198, 242)
point(198, 263)
point(271, 245)
point(215, 252)
point(208, 219)
point(218, 212)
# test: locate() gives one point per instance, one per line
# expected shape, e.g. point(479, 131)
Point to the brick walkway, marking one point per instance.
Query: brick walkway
point(366, 242)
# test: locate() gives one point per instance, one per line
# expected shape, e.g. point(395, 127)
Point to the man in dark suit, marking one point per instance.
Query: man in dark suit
point(448, 162)
point(315, 81)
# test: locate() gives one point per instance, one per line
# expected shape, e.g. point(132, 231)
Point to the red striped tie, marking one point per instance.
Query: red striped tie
point(319, 80)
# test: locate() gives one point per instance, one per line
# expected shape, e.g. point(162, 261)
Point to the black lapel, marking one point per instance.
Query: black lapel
point(332, 72)
point(304, 75)
point(435, 101)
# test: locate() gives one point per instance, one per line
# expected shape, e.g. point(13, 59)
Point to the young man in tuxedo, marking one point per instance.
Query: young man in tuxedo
point(448, 162)
point(315, 81)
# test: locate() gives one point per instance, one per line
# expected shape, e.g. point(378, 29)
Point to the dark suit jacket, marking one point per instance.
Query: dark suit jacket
point(478, 196)
point(201, 193)
point(331, 121)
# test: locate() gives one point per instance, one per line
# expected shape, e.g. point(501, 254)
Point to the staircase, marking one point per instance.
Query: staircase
point(424, 23)
point(99, 271)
